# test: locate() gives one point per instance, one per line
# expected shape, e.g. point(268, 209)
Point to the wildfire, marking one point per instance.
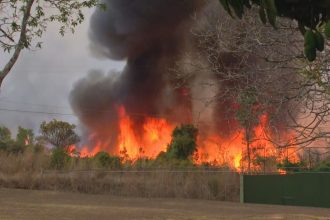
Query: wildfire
point(156, 135)
point(213, 149)
point(85, 152)
point(282, 172)
point(237, 161)
point(27, 141)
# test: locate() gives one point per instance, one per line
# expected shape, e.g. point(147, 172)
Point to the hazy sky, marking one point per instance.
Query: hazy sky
point(42, 80)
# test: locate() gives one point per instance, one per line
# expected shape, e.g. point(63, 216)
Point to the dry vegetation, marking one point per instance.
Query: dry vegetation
point(32, 171)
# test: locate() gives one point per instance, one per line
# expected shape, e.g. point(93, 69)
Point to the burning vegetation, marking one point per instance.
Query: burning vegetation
point(171, 72)
point(202, 98)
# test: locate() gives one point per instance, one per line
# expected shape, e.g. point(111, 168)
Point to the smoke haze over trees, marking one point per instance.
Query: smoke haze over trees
point(168, 64)
point(189, 62)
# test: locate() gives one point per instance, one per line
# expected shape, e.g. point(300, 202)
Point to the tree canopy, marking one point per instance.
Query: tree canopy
point(313, 17)
point(25, 136)
point(23, 22)
point(183, 143)
point(5, 134)
point(24, 140)
point(59, 133)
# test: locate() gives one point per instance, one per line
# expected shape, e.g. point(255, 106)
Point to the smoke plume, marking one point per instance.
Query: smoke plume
point(153, 36)
point(149, 35)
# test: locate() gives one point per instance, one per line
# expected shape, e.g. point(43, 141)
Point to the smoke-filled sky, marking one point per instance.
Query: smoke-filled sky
point(41, 80)
point(152, 35)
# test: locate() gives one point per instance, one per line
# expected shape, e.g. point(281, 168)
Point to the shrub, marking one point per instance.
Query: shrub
point(59, 158)
point(15, 147)
point(323, 167)
point(183, 144)
point(142, 163)
point(291, 166)
point(5, 138)
point(105, 160)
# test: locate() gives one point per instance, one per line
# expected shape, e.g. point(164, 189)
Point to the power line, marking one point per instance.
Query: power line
point(33, 104)
point(81, 111)
point(72, 114)
point(36, 112)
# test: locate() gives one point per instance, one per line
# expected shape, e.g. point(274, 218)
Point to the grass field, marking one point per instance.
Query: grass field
point(34, 205)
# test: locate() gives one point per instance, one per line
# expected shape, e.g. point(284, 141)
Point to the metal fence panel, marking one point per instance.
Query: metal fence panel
point(301, 189)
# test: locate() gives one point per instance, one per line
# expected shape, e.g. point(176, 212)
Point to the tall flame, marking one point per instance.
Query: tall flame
point(213, 149)
point(155, 136)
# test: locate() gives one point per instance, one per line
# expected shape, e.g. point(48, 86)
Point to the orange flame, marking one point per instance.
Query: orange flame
point(282, 172)
point(154, 139)
point(213, 149)
point(27, 141)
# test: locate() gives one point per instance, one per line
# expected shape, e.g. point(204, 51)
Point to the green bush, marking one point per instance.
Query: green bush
point(59, 158)
point(287, 165)
point(105, 160)
point(142, 163)
point(5, 138)
point(323, 167)
point(183, 144)
point(15, 148)
point(24, 139)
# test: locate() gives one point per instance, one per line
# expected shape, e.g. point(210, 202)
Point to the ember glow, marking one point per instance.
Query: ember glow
point(154, 138)
point(212, 149)
point(232, 150)
point(132, 114)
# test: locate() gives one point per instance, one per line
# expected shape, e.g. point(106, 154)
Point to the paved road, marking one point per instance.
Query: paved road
point(34, 205)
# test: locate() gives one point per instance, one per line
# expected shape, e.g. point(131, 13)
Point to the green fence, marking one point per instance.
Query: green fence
point(301, 189)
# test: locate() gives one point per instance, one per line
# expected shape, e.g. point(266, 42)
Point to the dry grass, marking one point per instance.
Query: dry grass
point(31, 171)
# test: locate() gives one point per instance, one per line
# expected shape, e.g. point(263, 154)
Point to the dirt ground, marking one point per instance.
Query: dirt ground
point(34, 205)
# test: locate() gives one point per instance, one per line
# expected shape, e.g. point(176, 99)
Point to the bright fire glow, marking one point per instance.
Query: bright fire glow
point(155, 137)
point(282, 172)
point(212, 149)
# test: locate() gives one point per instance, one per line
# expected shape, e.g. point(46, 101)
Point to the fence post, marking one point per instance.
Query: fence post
point(241, 188)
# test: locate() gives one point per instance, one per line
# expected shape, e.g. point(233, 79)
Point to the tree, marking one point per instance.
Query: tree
point(248, 115)
point(5, 137)
point(308, 97)
point(8, 144)
point(287, 165)
point(313, 17)
point(25, 136)
point(308, 13)
point(251, 70)
point(183, 144)
point(313, 97)
point(105, 160)
point(59, 158)
point(240, 54)
point(5, 134)
point(23, 22)
point(59, 133)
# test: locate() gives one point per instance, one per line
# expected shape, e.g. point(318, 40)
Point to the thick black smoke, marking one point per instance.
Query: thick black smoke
point(154, 36)
point(150, 35)
point(129, 28)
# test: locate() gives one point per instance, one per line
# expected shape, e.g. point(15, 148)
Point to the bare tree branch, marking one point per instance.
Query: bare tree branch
point(21, 42)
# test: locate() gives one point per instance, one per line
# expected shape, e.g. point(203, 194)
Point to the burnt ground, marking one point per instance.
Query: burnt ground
point(34, 205)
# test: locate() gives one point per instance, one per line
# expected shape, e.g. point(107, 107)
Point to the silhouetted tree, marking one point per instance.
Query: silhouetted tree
point(59, 133)
point(183, 144)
